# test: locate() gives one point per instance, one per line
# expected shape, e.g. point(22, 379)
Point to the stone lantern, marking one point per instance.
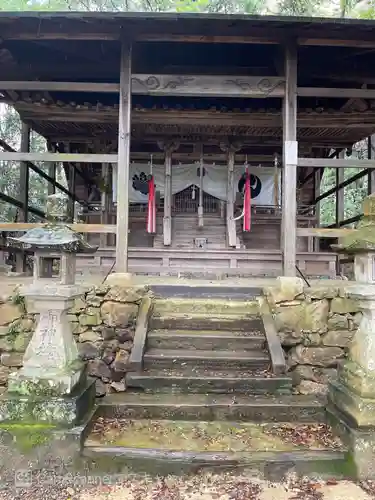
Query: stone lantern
point(51, 364)
point(352, 396)
point(361, 244)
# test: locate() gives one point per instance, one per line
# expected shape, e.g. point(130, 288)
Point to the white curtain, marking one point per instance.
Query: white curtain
point(214, 181)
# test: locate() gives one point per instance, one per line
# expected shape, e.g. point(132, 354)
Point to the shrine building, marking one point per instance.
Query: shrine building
point(194, 144)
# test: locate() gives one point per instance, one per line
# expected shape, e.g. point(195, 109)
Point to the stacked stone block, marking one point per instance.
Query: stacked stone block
point(315, 325)
point(103, 322)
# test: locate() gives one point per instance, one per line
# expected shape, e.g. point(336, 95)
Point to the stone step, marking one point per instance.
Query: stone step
point(205, 339)
point(202, 380)
point(167, 446)
point(169, 358)
point(258, 408)
point(209, 291)
point(204, 321)
point(208, 306)
point(191, 232)
point(273, 466)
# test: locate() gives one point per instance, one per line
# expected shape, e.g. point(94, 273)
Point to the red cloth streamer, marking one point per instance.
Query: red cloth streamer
point(247, 203)
point(151, 212)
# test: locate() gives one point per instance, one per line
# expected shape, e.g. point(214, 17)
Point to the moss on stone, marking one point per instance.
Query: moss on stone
point(26, 437)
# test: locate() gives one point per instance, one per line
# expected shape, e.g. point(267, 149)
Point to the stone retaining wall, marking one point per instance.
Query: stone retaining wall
point(103, 322)
point(315, 326)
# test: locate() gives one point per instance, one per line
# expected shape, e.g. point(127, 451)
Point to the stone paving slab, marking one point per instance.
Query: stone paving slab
point(255, 490)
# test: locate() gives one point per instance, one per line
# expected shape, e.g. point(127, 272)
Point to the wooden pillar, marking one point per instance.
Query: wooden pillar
point(123, 164)
point(200, 204)
point(51, 171)
point(370, 156)
point(340, 215)
point(23, 191)
point(105, 202)
point(317, 182)
point(230, 188)
point(290, 156)
point(231, 150)
point(167, 219)
point(71, 187)
point(24, 174)
point(168, 148)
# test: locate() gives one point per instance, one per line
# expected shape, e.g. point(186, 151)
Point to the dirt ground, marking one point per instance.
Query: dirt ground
point(199, 487)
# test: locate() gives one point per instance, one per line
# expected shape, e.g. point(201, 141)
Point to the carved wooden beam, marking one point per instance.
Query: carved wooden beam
point(180, 85)
point(209, 86)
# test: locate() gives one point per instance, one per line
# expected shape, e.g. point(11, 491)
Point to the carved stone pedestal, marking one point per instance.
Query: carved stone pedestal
point(354, 392)
point(51, 363)
point(352, 396)
point(52, 376)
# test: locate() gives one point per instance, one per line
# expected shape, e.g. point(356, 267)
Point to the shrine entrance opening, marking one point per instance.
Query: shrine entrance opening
point(187, 201)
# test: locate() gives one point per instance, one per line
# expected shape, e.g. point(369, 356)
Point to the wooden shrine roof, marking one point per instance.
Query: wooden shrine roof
point(169, 26)
point(84, 47)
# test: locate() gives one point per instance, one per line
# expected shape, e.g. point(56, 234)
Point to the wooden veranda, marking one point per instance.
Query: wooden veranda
point(106, 89)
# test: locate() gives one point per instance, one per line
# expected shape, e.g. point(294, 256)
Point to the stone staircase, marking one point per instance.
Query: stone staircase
point(185, 230)
point(207, 396)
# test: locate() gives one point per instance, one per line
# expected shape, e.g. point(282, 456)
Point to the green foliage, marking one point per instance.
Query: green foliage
point(19, 300)
point(354, 194)
point(344, 8)
point(10, 132)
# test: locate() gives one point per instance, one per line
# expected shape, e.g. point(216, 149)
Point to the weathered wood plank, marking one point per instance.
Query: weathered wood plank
point(59, 157)
point(8, 227)
point(336, 92)
point(289, 191)
point(337, 42)
point(180, 85)
point(254, 38)
point(321, 232)
point(335, 163)
point(124, 136)
point(60, 86)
